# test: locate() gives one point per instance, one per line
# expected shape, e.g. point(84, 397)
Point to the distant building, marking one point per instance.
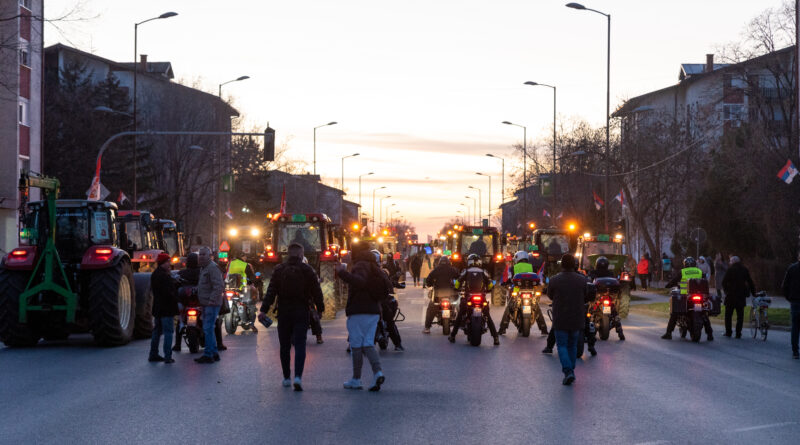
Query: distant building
point(20, 107)
point(305, 194)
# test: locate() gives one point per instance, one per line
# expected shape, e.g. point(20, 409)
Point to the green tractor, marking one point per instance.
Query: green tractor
point(485, 242)
point(591, 247)
point(68, 275)
point(551, 244)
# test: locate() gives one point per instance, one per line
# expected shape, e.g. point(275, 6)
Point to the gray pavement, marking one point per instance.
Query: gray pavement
point(643, 390)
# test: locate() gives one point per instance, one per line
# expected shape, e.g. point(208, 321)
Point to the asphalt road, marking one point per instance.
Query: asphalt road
point(643, 390)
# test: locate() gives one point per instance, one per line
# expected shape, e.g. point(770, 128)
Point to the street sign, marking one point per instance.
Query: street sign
point(227, 183)
point(546, 186)
point(224, 247)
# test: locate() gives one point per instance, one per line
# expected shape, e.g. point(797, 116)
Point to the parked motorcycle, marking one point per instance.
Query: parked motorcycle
point(694, 308)
point(523, 306)
point(191, 319)
point(604, 307)
point(475, 321)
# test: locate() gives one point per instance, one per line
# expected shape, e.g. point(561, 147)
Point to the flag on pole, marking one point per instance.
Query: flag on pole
point(283, 199)
point(97, 192)
point(229, 214)
point(598, 203)
point(620, 197)
point(122, 198)
point(788, 172)
point(211, 212)
point(545, 213)
point(560, 215)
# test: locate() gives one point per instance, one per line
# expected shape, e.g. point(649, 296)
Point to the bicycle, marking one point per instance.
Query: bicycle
point(759, 323)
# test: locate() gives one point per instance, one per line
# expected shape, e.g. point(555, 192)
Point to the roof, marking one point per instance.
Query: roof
point(692, 69)
point(160, 68)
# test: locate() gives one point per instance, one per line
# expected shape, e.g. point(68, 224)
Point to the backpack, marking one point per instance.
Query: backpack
point(293, 281)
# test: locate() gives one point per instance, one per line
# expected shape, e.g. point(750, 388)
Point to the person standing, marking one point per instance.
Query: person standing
point(666, 266)
point(165, 308)
point(368, 285)
point(416, 266)
point(703, 266)
point(738, 286)
point(720, 267)
point(210, 288)
point(567, 290)
point(295, 286)
point(791, 290)
point(643, 270)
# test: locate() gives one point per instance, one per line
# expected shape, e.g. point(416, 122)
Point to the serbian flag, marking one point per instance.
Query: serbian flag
point(560, 215)
point(788, 172)
point(283, 199)
point(620, 197)
point(598, 203)
point(545, 213)
point(229, 214)
point(122, 198)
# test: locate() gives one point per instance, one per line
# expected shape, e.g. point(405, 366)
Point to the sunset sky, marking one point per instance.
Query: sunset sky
point(419, 88)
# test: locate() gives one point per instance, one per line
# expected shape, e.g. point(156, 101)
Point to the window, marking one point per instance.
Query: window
point(25, 4)
point(24, 57)
point(23, 113)
point(732, 112)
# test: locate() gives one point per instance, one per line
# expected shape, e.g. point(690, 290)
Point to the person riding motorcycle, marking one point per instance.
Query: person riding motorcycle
point(689, 271)
point(240, 266)
point(474, 279)
point(190, 276)
point(389, 309)
point(521, 265)
point(601, 271)
point(441, 280)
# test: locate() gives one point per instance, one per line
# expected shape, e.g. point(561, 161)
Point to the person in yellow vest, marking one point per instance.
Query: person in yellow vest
point(689, 271)
point(241, 267)
point(521, 265)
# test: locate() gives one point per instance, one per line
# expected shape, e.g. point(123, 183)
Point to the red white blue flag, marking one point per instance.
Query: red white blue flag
point(598, 203)
point(788, 172)
point(545, 213)
point(620, 197)
point(229, 214)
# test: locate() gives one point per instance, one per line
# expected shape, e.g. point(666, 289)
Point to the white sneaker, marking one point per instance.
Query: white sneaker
point(379, 379)
point(298, 384)
point(353, 384)
point(287, 383)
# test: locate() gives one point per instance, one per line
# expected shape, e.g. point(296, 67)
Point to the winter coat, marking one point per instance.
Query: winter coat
point(705, 268)
point(165, 294)
point(210, 286)
point(737, 285)
point(442, 277)
point(643, 268)
point(295, 285)
point(368, 286)
point(568, 292)
point(791, 283)
point(416, 264)
point(720, 267)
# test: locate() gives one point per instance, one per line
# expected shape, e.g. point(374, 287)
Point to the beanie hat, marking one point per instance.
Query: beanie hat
point(162, 258)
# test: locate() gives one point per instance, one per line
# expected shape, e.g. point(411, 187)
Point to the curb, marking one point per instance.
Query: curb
point(716, 321)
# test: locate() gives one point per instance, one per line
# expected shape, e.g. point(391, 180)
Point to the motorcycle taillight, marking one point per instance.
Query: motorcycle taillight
point(192, 312)
point(697, 298)
point(606, 302)
point(445, 303)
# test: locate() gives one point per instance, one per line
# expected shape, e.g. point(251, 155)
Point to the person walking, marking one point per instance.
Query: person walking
point(165, 308)
point(295, 287)
point(643, 270)
point(666, 267)
point(720, 267)
point(368, 285)
point(791, 290)
point(416, 266)
point(210, 288)
point(567, 290)
point(703, 266)
point(737, 285)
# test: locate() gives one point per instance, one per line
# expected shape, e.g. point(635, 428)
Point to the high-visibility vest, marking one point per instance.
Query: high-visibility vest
point(522, 267)
point(687, 273)
point(239, 267)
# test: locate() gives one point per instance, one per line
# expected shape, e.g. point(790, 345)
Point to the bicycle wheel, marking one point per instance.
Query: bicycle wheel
point(753, 322)
point(764, 324)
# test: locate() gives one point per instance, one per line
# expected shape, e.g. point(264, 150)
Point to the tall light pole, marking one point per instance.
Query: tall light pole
point(553, 184)
point(468, 214)
point(502, 177)
point(608, 103)
point(474, 211)
point(315, 143)
point(490, 192)
point(359, 186)
point(524, 171)
point(463, 215)
point(238, 79)
point(480, 209)
point(341, 206)
point(165, 15)
point(229, 167)
point(373, 206)
point(380, 209)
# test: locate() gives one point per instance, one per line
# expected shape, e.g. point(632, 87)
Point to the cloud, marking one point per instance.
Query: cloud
point(407, 142)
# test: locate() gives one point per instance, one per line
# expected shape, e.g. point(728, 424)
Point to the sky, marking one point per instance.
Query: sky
point(419, 88)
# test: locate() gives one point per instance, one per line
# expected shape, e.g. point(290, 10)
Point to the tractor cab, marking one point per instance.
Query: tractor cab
point(139, 236)
point(550, 244)
point(249, 239)
point(313, 231)
point(484, 242)
point(590, 247)
point(171, 241)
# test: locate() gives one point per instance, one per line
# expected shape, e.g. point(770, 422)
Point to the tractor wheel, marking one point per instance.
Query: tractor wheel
point(112, 304)
point(12, 332)
point(143, 327)
point(328, 284)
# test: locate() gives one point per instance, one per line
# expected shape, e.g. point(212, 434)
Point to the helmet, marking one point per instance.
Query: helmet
point(520, 256)
point(601, 263)
point(377, 255)
point(473, 260)
point(689, 262)
point(444, 260)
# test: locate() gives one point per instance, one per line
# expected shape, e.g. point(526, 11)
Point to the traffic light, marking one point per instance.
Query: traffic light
point(269, 144)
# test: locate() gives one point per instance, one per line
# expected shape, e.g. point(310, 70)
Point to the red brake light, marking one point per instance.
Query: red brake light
point(477, 298)
point(19, 254)
point(499, 256)
point(270, 254)
point(445, 303)
point(328, 253)
point(230, 294)
point(526, 295)
point(606, 302)
point(456, 256)
point(175, 260)
point(192, 312)
point(697, 297)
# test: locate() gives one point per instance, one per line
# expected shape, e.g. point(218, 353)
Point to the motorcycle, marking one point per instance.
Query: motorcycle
point(524, 301)
point(240, 301)
point(446, 311)
point(191, 319)
point(603, 309)
point(475, 321)
point(390, 310)
point(694, 308)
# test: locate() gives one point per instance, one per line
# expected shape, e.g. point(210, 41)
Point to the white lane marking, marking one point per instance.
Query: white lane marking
point(761, 427)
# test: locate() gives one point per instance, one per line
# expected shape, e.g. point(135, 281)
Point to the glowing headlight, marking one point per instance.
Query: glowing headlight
point(233, 232)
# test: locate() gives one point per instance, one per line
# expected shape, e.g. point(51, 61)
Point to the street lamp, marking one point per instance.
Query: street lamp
point(386, 221)
point(380, 209)
point(341, 207)
point(480, 210)
point(315, 143)
point(238, 79)
point(359, 186)
point(467, 211)
point(490, 192)
point(524, 169)
point(608, 101)
point(502, 177)
point(229, 166)
point(373, 206)
point(165, 15)
point(553, 178)
point(474, 211)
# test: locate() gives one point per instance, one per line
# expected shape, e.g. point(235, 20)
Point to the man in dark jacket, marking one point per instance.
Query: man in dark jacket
point(791, 290)
point(441, 280)
point(416, 267)
point(165, 308)
point(567, 290)
point(295, 286)
point(189, 277)
point(737, 285)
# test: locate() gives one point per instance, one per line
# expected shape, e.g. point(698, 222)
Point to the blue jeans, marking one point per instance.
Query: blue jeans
point(210, 314)
point(795, 316)
point(567, 343)
point(165, 326)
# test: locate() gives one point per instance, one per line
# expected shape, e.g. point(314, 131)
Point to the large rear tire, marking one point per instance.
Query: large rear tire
point(112, 304)
point(604, 326)
point(143, 327)
point(475, 333)
point(12, 332)
point(526, 326)
point(695, 330)
point(446, 326)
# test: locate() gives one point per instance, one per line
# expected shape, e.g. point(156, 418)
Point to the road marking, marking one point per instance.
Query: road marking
point(761, 427)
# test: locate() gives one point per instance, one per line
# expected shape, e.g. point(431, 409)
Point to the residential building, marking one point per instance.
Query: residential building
point(20, 107)
point(306, 194)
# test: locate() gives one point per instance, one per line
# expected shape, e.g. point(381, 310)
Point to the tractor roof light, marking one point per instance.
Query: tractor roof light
point(618, 237)
point(233, 231)
point(587, 235)
point(254, 232)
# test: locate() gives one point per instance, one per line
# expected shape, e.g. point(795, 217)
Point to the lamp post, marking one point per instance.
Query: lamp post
point(229, 166)
point(463, 215)
point(468, 215)
point(474, 211)
point(480, 210)
point(502, 177)
point(490, 192)
point(380, 209)
point(165, 15)
point(315, 143)
point(579, 6)
point(359, 186)
point(341, 204)
point(238, 79)
point(373, 206)
point(524, 170)
point(553, 184)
